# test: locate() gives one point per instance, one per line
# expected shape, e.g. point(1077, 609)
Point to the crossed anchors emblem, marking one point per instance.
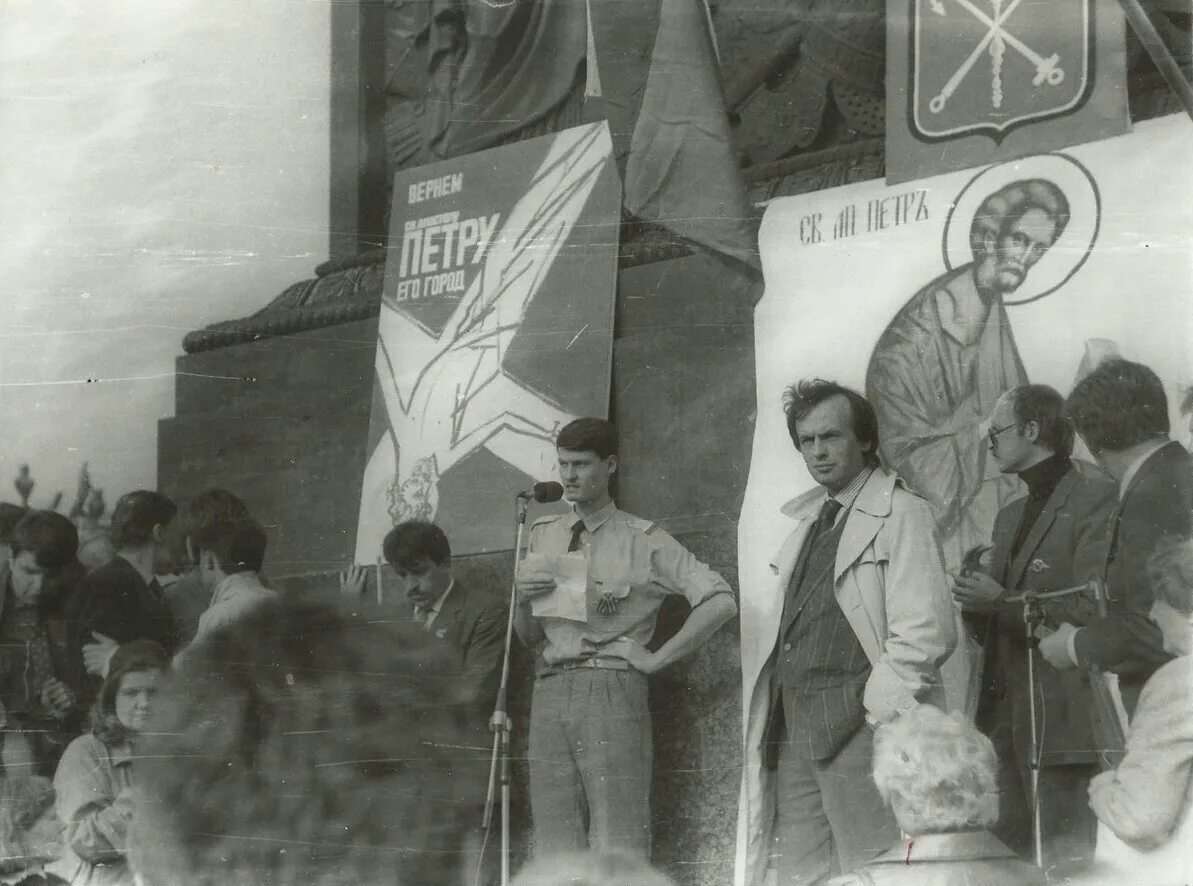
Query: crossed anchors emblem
point(995, 41)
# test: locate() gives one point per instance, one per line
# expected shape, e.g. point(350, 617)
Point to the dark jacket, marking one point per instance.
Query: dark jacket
point(1158, 503)
point(1065, 547)
point(971, 858)
point(58, 615)
point(472, 624)
point(115, 600)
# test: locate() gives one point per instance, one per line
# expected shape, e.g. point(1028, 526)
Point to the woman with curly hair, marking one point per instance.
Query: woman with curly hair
point(94, 778)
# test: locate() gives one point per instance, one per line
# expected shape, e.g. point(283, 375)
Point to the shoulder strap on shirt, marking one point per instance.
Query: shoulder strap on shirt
point(639, 523)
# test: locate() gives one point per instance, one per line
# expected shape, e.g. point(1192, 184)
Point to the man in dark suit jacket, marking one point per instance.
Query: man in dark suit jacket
point(122, 600)
point(1121, 413)
point(1052, 538)
point(469, 621)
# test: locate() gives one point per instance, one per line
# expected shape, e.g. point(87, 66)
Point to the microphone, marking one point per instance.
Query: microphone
point(544, 492)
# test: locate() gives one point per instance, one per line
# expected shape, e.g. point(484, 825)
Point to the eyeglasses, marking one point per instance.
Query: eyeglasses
point(992, 433)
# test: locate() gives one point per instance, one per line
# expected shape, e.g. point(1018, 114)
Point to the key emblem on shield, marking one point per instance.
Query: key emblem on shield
point(988, 66)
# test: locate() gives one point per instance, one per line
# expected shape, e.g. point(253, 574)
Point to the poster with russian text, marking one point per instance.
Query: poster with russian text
point(496, 329)
point(936, 296)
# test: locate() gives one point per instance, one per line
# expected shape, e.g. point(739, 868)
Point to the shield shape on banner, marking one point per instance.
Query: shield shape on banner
point(990, 66)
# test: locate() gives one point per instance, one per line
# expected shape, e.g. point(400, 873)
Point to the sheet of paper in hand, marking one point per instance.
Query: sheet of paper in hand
point(570, 598)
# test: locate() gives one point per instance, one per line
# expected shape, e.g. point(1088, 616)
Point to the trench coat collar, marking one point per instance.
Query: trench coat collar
point(874, 499)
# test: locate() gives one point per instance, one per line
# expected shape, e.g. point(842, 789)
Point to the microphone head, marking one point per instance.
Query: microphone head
point(548, 491)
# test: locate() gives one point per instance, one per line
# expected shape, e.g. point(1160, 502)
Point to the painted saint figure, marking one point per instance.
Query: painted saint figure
point(940, 366)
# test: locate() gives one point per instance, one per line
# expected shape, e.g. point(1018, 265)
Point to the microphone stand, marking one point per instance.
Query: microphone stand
point(499, 723)
point(1033, 615)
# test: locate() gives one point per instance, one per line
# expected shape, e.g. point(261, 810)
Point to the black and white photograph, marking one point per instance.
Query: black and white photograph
point(587, 443)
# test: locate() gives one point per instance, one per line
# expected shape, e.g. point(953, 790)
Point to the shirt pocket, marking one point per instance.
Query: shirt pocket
point(619, 582)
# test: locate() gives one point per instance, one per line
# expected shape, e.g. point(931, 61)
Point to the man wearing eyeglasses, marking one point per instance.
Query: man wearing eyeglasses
point(1050, 539)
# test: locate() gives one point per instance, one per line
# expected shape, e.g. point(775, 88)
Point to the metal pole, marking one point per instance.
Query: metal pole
point(499, 723)
point(1154, 44)
point(1030, 612)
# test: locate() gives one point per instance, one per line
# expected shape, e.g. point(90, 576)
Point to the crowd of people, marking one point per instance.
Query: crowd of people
point(169, 717)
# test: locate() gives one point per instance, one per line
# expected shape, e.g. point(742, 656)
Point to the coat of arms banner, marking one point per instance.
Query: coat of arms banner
point(971, 82)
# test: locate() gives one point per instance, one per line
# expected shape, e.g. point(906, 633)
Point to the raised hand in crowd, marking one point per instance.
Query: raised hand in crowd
point(57, 698)
point(97, 654)
point(353, 580)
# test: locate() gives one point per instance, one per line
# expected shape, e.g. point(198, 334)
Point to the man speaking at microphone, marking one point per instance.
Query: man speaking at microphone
point(590, 732)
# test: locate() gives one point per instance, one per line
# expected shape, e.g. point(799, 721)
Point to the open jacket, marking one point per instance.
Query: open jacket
point(1145, 806)
point(472, 624)
point(890, 583)
point(94, 800)
point(1158, 502)
point(1065, 547)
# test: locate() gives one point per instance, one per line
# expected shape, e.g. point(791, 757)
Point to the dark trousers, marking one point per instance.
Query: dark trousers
point(590, 761)
point(829, 818)
point(1068, 826)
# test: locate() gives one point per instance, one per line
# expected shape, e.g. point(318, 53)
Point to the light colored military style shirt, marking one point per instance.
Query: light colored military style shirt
point(631, 562)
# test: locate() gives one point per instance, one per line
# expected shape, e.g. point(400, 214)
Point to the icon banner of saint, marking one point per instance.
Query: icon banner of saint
point(495, 330)
point(934, 298)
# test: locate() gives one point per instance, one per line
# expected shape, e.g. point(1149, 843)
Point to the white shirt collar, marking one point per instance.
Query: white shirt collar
point(230, 585)
point(429, 615)
point(847, 496)
point(1137, 464)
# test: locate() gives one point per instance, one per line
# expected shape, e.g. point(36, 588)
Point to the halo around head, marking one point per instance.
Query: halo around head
point(1071, 249)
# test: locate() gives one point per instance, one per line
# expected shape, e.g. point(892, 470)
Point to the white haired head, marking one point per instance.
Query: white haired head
point(937, 772)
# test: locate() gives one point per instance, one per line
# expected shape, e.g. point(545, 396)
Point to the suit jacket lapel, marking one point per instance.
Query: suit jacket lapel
point(1002, 546)
point(870, 509)
point(1059, 496)
point(785, 564)
point(860, 529)
point(1149, 464)
point(449, 623)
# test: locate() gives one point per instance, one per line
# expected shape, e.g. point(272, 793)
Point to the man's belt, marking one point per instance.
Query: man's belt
point(601, 664)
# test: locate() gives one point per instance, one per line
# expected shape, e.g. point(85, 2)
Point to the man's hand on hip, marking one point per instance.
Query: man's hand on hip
point(635, 654)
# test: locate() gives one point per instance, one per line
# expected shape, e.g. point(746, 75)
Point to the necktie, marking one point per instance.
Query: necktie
point(1112, 548)
point(155, 587)
point(828, 515)
point(577, 531)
